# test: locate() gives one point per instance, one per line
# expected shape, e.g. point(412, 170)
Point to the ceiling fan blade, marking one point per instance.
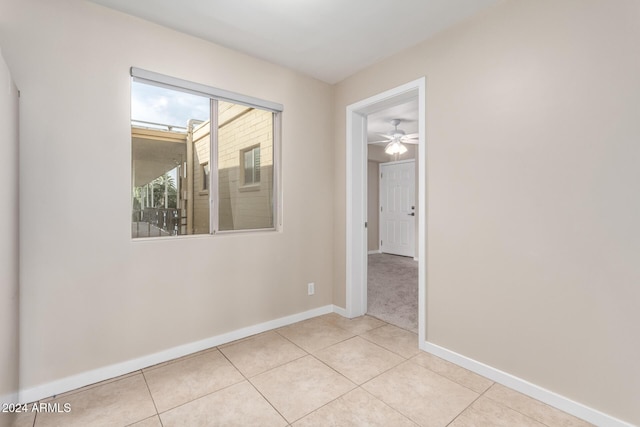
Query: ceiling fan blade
point(378, 142)
point(411, 141)
point(386, 135)
point(412, 135)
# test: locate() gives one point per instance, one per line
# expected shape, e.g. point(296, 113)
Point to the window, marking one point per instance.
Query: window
point(187, 176)
point(251, 166)
point(205, 176)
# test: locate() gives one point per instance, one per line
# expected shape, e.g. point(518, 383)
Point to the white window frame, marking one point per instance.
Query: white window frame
point(215, 95)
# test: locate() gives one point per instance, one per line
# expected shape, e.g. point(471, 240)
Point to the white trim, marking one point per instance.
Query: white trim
point(356, 249)
point(356, 236)
point(277, 173)
point(339, 310)
point(549, 397)
point(214, 173)
point(376, 251)
point(107, 372)
point(415, 258)
point(161, 80)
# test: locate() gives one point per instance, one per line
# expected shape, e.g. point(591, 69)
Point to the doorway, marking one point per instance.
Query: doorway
point(356, 225)
point(392, 268)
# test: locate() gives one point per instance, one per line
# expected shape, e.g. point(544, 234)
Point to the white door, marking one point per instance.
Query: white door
point(397, 208)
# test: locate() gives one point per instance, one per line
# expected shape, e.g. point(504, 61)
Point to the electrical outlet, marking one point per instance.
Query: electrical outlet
point(311, 288)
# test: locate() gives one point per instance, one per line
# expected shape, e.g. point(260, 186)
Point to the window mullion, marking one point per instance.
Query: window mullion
point(214, 197)
point(276, 199)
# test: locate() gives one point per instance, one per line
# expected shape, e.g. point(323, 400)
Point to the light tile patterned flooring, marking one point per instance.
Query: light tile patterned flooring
point(326, 371)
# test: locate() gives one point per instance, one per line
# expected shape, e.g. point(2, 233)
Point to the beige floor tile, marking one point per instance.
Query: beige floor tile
point(238, 405)
point(355, 409)
point(117, 403)
point(90, 386)
point(533, 408)
point(358, 359)
point(395, 339)
point(264, 352)
point(357, 325)
point(149, 422)
point(452, 371)
point(180, 382)
point(250, 337)
point(314, 334)
point(300, 387)
point(422, 395)
point(19, 419)
point(179, 359)
point(486, 412)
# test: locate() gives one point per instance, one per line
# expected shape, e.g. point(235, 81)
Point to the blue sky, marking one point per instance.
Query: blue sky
point(169, 107)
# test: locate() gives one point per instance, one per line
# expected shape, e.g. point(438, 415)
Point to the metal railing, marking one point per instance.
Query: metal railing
point(158, 126)
point(153, 222)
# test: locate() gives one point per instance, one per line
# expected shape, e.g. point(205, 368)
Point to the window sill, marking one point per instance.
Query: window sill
point(250, 187)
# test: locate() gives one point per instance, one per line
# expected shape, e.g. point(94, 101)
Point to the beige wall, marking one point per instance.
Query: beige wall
point(532, 187)
point(8, 241)
point(86, 285)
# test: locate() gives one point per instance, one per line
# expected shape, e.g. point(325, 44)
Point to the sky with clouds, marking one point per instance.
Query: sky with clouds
point(164, 106)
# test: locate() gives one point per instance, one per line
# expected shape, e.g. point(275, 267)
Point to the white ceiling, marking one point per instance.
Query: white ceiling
point(326, 39)
point(380, 121)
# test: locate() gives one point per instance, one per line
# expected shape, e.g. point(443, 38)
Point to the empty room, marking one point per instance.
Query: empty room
point(194, 214)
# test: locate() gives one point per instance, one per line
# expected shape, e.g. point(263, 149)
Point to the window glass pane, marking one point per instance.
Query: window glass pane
point(245, 167)
point(199, 141)
point(171, 171)
point(170, 143)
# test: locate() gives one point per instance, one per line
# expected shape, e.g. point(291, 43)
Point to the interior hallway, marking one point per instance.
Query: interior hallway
point(392, 290)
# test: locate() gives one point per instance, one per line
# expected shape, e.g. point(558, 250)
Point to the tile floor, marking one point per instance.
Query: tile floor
point(326, 371)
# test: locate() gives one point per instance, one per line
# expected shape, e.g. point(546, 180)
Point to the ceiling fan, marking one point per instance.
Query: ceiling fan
point(396, 139)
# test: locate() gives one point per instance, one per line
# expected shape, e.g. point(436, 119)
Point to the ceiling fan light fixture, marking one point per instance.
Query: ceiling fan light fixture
point(395, 147)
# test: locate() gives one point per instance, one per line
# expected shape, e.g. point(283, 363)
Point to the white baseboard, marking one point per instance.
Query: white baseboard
point(550, 398)
point(339, 310)
point(9, 398)
point(376, 251)
point(107, 372)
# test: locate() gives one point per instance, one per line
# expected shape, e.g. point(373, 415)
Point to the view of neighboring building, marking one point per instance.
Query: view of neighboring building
point(171, 174)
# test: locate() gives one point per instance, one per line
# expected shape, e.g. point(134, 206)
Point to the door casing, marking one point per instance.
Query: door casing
point(356, 182)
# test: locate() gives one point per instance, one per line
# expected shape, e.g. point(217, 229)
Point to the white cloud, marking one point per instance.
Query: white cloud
point(164, 106)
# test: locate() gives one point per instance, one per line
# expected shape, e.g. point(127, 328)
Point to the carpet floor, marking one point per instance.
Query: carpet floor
point(392, 290)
